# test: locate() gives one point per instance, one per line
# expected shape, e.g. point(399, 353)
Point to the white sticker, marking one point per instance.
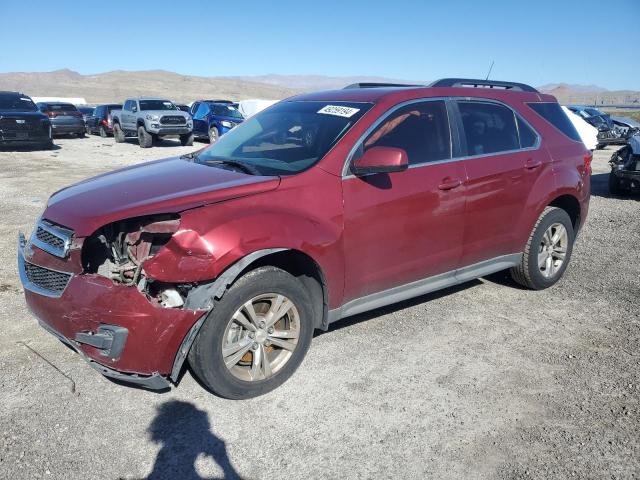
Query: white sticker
point(339, 111)
point(168, 104)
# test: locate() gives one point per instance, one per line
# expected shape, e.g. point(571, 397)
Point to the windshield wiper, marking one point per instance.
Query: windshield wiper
point(190, 156)
point(245, 167)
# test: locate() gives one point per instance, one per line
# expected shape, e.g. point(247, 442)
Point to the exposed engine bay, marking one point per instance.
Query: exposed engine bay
point(119, 250)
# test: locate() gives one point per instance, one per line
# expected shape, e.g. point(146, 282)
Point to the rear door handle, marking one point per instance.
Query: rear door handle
point(531, 164)
point(449, 183)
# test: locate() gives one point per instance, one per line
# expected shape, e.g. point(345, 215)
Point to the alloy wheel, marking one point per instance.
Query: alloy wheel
point(261, 337)
point(552, 250)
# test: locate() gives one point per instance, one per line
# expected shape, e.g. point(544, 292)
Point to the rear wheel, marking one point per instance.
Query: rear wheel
point(255, 336)
point(145, 139)
point(118, 134)
point(548, 250)
point(102, 132)
point(213, 135)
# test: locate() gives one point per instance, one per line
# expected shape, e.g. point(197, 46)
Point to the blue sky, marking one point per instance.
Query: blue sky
point(536, 42)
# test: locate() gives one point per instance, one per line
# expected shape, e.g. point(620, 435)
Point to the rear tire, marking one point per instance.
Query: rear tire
point(118, 134)
point(80, 134)
point(239, 380)
point(614, 184)
point(145, 139)
point(544, 261)
point(103, 132)
point(186, 140)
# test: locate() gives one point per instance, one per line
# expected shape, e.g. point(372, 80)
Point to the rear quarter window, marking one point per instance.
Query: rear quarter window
point(552, 113)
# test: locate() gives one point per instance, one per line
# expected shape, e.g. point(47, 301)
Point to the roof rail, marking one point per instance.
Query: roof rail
point(475, 83)
point(379, 85)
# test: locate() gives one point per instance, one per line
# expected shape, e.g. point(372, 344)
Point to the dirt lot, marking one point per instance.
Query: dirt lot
point(485, 380)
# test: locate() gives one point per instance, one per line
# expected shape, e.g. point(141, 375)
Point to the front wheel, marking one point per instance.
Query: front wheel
point(186, 140)
point(145, 139)
point(255, 336)
point(118, 134)
point(614, 184)
point(547, 252)
point(213, 135)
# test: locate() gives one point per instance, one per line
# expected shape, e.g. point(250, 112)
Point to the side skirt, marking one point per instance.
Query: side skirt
point(427, 285)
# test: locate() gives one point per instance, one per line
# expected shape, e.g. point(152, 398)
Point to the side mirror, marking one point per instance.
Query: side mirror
point(381, 160)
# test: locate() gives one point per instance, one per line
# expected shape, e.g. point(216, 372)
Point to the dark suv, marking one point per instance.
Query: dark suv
point(65, 118)
point(100, 122)
point(322, 206)
point(21, 123)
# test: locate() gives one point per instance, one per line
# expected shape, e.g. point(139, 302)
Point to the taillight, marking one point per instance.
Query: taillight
point(52, 114)
point(587, 162)
point(75, 114)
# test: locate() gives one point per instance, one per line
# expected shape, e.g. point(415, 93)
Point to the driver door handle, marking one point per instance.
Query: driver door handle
point(531, 164)
point(449, 183)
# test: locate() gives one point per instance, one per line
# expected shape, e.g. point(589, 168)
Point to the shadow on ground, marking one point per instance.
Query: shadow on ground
point(185, 434)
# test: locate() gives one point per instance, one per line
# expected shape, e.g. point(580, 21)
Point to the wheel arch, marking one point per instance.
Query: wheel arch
point(570, 204)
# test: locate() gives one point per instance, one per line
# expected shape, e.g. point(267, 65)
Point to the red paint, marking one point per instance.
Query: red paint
point(365, 233)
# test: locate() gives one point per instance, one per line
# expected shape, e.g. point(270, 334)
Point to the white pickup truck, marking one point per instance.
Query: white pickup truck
point(150, 119)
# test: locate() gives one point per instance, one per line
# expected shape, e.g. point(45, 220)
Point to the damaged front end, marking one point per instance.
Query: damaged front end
point(118, 251)
point(97, 297)
point(625, 167)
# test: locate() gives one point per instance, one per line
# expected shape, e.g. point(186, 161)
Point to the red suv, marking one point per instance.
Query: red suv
point(320, 207)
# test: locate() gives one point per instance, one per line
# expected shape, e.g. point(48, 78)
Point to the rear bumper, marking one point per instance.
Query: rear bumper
point(32, 140)
point(114, 327)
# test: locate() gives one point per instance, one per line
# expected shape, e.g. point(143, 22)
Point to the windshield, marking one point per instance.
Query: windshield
point(286, 138)
point(17, 103)
point(156, 105)
point(60, 107)
point(226, 111)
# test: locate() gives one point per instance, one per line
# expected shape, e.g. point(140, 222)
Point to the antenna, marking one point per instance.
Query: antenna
point(490, 68)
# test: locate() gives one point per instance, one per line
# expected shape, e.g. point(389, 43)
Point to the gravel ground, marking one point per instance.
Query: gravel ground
point(485, 380)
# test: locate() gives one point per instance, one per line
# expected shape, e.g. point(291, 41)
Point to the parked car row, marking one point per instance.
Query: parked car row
point(610, 131)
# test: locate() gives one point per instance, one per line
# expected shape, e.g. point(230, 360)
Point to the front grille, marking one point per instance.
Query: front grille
point(173, 120)
point(50, 280)
point(52, 238)
point(16, 124)
point(49, 238)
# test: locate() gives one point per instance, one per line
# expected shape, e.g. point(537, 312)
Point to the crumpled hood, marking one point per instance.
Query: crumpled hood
point(162, 186)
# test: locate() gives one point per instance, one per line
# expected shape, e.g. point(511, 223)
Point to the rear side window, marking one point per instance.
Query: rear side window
point(420, 129)
point(527, 136)
point(552, 113)
point(488, 127)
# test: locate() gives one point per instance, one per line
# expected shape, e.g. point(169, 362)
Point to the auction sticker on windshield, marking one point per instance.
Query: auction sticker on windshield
point(339, 110)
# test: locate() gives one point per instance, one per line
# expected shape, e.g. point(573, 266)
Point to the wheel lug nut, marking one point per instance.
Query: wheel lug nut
point(254, 346)
point(252, 335)
point(262, 324)
point(270, 330)
point(267, 342)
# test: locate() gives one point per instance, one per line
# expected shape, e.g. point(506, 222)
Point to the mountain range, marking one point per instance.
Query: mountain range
point(117, 85)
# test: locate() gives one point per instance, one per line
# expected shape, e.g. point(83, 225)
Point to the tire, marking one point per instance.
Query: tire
point(103, 133)
point(614, 184)
point(600, 146)
point(80, 134)
point(47, 145)
point(214, 135)
point(186, 140)
point(529, 272)
point(145, 139)
point(118, 134)
point(206, 355)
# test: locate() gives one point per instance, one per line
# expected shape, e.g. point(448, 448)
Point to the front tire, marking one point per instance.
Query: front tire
point(186, 140)
point(118, 134)
point(614, 184)
point(547, 252)
point(145, 139)
point(214, 135)
point(256, 335)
